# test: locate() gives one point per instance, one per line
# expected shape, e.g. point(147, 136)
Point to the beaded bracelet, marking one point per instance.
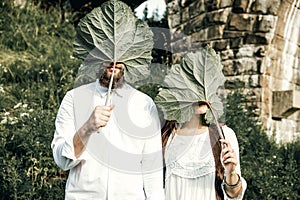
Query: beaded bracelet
point(239, 182)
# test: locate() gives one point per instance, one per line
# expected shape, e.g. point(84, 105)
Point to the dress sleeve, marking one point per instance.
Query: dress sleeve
point(231, 137)
point(152, 162)
point(62, 143)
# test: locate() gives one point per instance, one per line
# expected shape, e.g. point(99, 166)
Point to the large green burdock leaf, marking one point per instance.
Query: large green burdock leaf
point(112, 33)
point(196, 79)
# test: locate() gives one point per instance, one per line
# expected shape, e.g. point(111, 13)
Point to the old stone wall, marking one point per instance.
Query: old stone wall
point(258, 42)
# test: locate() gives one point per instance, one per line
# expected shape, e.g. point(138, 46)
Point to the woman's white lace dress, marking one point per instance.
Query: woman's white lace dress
point(190, 167)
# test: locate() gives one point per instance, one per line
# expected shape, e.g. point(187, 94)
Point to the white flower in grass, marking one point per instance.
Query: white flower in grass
point(17, 106)
point(12, 120)
point(2, 89)
point(24, 115)
point(4, 120)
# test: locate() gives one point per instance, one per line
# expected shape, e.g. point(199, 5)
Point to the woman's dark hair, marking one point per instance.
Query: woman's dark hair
point(169, 126)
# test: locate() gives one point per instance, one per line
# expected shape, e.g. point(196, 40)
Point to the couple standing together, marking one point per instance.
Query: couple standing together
point(116, 147)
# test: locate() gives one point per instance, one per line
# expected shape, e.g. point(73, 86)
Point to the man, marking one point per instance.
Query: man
point(112, 152)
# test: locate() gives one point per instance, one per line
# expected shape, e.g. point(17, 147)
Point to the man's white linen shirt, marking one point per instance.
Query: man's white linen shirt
point(123, 161)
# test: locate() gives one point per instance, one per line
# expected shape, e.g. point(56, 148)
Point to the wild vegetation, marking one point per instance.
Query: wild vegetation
point(37, 68)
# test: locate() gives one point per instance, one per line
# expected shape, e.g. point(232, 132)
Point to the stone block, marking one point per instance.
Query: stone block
point(233, 34)
point(215, 32)
point(225, 3)
point(196, 24)
point(294, 34)
point(218, 17)
point(266, 101)
point(242, 6)
point(172, 7)
point(254, 81)
point(285, 46)
point(260, 51)
point(220, 45)
point(236, 42)
point(257, 38)
point(242, 22)
point(257, 94)
point(282, 67)
point(175, 20)
point(227, 54)
point(211, 5)
point(296, 76)
point(282, 18)
point(266, 66)
point(279, 43)
point(196, 8)
point(246, 51)
point(242, 81)
point(185, 16)
point(233, 82)
point(228, 68)
point(265, 81)
point(266, 23)
point(185, 3)
point(279, 84)
point(266, 6)
point(200, 36)
point(246, 65)
point(285, 103)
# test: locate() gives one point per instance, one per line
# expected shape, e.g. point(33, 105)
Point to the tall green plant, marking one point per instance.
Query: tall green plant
point(271, 171)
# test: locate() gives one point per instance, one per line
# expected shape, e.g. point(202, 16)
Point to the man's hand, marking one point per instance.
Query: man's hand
point(98, 118)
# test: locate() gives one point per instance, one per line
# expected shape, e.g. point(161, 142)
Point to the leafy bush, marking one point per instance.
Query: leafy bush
point(271, 170)
point(28, 170)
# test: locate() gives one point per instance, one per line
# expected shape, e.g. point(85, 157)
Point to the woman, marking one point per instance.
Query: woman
point(200, 165)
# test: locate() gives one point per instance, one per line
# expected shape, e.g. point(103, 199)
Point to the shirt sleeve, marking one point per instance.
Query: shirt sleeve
point(62, 143)
point(231, 137)
point(152, 163)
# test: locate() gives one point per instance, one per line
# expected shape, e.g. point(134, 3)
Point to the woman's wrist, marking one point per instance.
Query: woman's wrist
point(232, 180)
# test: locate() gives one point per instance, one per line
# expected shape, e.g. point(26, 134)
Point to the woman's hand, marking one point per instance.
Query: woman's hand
point(229, 161)
point(228, 156)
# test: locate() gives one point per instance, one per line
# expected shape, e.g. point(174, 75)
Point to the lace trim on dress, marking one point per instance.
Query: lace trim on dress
point(189, 157)
point(183, 171)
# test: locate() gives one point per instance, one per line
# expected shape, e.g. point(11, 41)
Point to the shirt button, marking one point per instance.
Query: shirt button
point(172, 165)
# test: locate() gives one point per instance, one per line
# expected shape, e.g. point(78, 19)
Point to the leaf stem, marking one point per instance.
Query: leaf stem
point(107, 101)
point(216, 122)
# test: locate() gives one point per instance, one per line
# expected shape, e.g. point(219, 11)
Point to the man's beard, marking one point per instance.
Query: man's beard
point(118, 80)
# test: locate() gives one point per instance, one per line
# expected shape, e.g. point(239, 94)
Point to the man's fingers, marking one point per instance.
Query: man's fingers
point(112, 106)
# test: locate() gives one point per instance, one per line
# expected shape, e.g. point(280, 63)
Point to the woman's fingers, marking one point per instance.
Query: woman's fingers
point(228, 155)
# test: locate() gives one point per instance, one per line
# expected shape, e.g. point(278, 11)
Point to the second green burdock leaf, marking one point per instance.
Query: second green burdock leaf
point(196, 79)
